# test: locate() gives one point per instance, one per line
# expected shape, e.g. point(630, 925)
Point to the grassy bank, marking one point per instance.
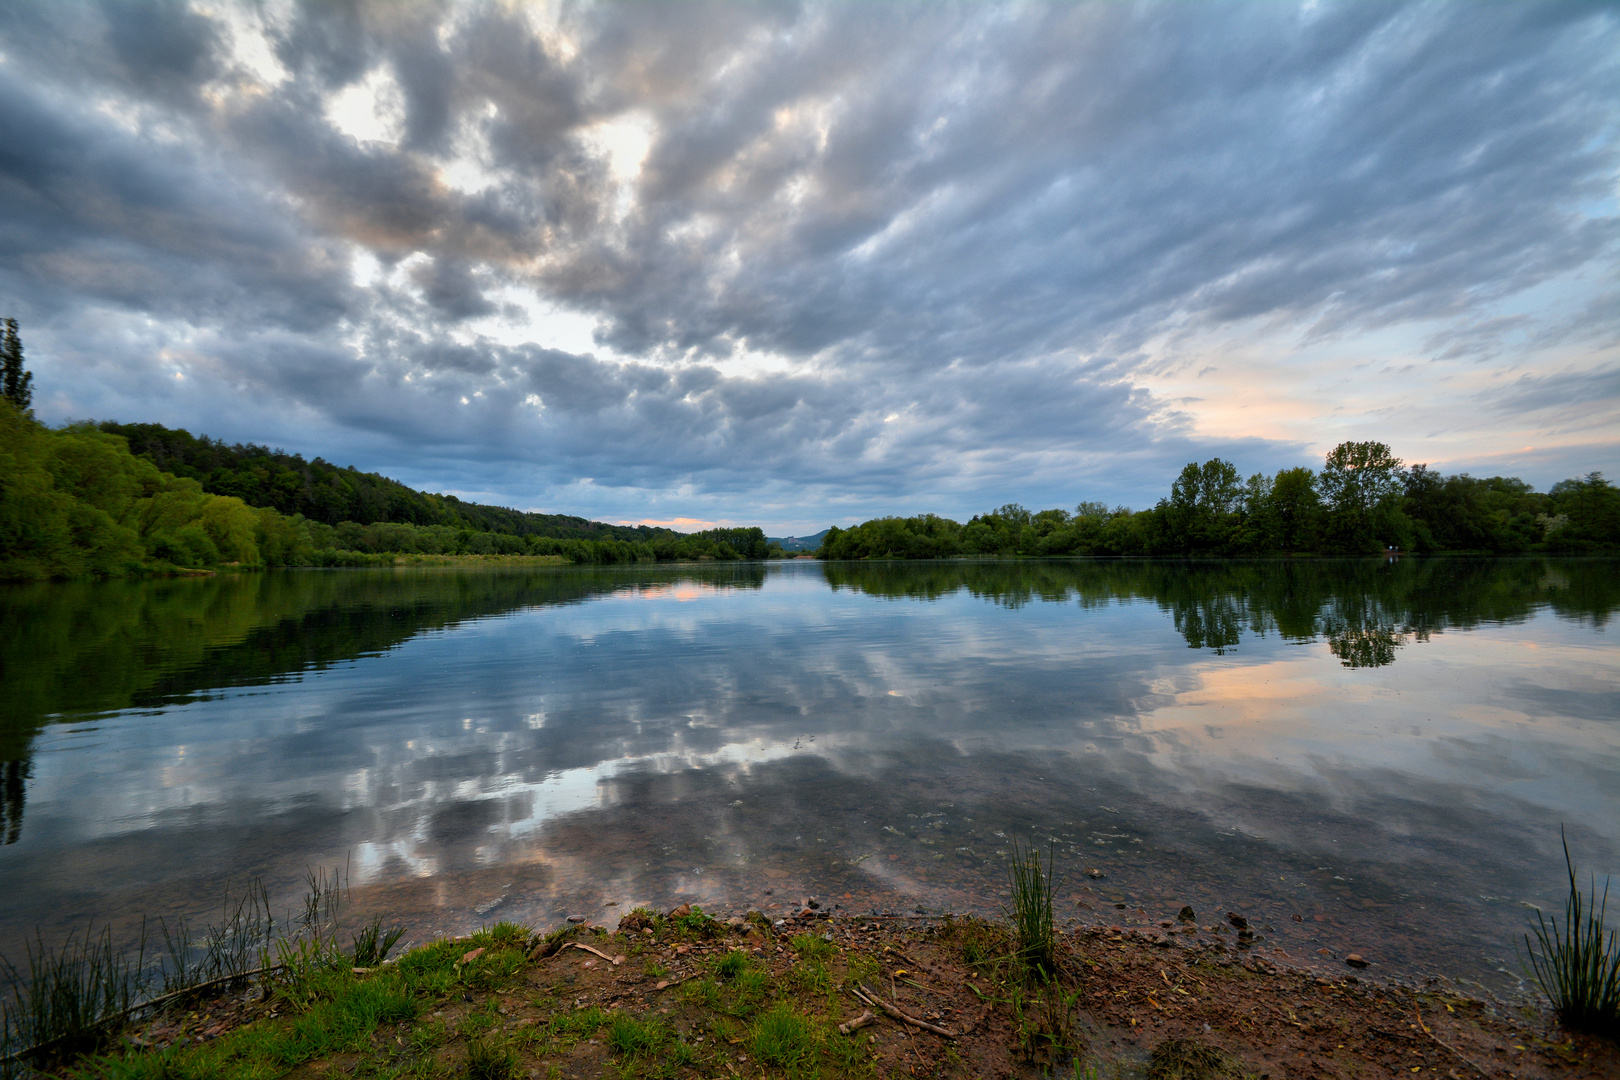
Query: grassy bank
point(681, 994)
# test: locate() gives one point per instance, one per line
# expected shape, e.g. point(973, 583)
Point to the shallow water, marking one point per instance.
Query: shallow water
point(1385, 750)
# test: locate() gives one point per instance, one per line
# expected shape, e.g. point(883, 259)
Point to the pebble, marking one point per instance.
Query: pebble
point(1095, 874)
point(1355, 960)
point(576, 919)
point(1186, 914)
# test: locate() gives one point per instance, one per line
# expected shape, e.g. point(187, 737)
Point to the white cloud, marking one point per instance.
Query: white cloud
point(371, 110)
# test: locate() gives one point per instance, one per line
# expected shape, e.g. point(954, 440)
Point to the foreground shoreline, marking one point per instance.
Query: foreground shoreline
point(685, 995)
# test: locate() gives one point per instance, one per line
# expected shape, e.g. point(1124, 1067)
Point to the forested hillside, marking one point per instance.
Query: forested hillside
point(1363, 500)
point(76, 502)
point(328, 494)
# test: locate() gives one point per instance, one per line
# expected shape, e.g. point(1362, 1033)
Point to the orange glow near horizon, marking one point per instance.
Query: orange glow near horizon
point(679, 524)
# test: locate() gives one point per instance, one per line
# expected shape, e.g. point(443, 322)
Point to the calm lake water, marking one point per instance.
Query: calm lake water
point(1385, 750)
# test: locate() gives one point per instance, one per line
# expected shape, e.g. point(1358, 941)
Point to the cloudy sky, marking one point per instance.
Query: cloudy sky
point(797, 264)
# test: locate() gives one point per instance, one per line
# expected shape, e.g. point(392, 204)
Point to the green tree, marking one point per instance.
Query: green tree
point(1587, 515)
point(1295, 510)
point(1200, 509)
point(1360, 482)
point(16, 382)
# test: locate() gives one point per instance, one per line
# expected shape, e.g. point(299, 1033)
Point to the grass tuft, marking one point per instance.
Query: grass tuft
point(1033, 887)
point(503, 935)
point(372, 944)
point(491, 1059)
point(1578, 967)
point(638, 1038)
point(813, 947)
point(784, 1039)
point(731, 965)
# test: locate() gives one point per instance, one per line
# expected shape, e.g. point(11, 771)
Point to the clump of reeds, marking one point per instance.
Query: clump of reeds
point(1033, 886)
point(233, 947)
point(63, 1002)
point(1578, 966)
point(70, 998)
point(323, 902)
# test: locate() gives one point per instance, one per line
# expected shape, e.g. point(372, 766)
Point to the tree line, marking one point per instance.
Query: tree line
point(1363, 500)
point(76, 502)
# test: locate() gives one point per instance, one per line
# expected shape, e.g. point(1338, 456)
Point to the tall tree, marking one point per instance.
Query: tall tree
point(1201, 503)
point(15, 381)
point(1360, 482)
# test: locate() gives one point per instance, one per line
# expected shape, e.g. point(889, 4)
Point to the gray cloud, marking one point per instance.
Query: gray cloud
point(1560, 390)
point(956, 230)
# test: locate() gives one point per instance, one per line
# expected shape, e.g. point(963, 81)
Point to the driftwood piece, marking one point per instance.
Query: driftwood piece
point(866, 994)
point(866, 1017)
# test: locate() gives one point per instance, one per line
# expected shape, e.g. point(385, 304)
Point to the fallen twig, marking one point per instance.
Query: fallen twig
point(614, 960)
point(866, 994)
point(1418, 1012)
point(866, 1017)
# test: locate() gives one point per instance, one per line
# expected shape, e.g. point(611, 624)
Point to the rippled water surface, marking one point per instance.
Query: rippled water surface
point(1383, 750)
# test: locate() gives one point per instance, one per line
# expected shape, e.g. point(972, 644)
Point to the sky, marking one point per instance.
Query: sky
point(802, 264)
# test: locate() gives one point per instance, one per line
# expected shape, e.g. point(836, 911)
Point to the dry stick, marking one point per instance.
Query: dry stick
point(866, 994)
point(1418, 1012)
point(614, 960)
point(866, 1017)
point(18, 1055)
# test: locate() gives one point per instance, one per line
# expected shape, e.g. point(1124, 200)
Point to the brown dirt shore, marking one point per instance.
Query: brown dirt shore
point(1128, 1003)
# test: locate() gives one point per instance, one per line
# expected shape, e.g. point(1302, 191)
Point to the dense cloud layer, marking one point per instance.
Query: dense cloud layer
point(797, 263)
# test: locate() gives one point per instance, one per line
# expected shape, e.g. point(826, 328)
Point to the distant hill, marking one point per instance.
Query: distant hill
point(323, 492)
point(798, 543)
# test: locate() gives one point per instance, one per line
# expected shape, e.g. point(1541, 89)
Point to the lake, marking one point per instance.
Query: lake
point(1364, 756)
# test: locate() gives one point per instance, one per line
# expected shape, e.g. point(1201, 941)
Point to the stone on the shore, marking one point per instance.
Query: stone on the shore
point(576, 919)
point(1355, 960)
point(1186, 914)
point(1237, 920)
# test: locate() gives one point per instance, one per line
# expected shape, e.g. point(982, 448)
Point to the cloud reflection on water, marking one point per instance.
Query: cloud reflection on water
point(693, 738)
